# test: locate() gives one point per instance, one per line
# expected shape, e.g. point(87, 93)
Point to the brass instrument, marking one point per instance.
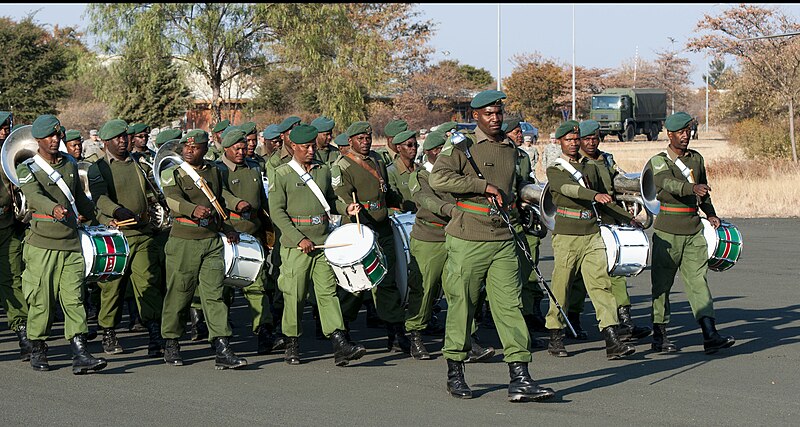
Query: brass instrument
point(18, 147)
point(83, 174)
point(531, 218)
point(636, 192)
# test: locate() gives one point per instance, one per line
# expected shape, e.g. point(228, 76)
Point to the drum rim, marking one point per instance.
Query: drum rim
point(374, 245)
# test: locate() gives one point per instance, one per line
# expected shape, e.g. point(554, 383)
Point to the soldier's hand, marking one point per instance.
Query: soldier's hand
point(59, 212)
point(201, 212)
point(602, 198)
point(493, 192)
point(122, 213)
point(243, 206)
point(233, 237)
point(715, 221)
point(635, 223)
point(353, 209)
point(701, 189)
point(112, 223)
point(306, 245)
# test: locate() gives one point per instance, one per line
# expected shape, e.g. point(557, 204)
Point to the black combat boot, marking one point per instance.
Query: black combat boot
point(627, 330)
point(397, 339)
point(110, 342)
point(266, 339)
point(418, 350)
point(343, 350)
point(522, 387)
point(225, 358)
point(456, 384)
point(661, 343)
point(712, 340)
point(155, 342)
point(291, 354)
point(199, 329)
point(531, 324)
point(616, 349)
point(488, 320)
point(478, 353)
point(39, 355)
point(82, 360)
point(25, 346)
point(172, 352)
point(135, 321)
point(556, 346)
point(575, 320)
point(537, 318)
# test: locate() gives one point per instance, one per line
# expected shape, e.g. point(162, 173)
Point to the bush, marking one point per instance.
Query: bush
point(759, 140)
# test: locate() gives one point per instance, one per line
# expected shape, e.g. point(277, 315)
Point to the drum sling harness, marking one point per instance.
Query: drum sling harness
point(58, 180)
point(578, 177)
point(309, 181)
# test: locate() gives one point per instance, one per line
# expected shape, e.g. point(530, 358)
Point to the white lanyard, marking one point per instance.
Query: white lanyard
point(574, 172)
point(58, 179)
point(685, 171)
point(306, 178)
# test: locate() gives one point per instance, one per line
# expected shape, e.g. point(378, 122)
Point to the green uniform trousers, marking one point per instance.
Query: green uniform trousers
point(194, 264)
point(427, 260)
point(689, 254)
point(257, 300)
point(587, 255)
point(11, 278)
point(144, 274)
point(386, 295)
point(51, 276)
point(297, 270)
point(468, 265)
point(577, 293)
point(531, 291)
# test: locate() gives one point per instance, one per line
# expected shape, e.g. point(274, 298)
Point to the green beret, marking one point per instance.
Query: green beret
point(112, 129)
point(509, 125)
point(341, 140)
point(434, 139)
point(167, 135)
point(228, 129)
point(447, 126)
point(195, 136)
point(358, 128)
point(403, 136)
point(678, 121)
point(288, 123)
point(323, 124)
point(221, 126)
point(271, 132)
point(248, 128)
point(233, 137)
point(137, 128)
point(487, 97)
point(303, 134)
point(589, 127)
point(394, 127)
point(567, 127)
point(45, 125)
point(4, 115)
point(71, 135)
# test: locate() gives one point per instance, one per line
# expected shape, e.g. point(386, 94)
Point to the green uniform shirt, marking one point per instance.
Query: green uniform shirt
point(6, 203)
point(524, 163)
point(183, 196)
point(674, 191)
point(607, 171)
point(433, 209)
point(42, 195)
point(213, 152)
point(91, 158)
point(118, 183)
point(474, 219)
point(387, 155)
point(327, 155)
point(294, 208)
point(243, 182)
point(399, 176)
point(276, 159)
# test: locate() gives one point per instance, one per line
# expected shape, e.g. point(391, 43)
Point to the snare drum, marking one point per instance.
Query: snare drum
point(627, 249)
point(401, 229)
point(105, 252)
point(360, 266)
point(243, 260)
point(724, 244)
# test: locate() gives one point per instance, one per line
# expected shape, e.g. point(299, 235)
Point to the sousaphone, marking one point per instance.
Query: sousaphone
point(168, 154)
point(18, 147)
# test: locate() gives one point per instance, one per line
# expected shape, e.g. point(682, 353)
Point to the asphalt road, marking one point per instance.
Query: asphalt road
point(753, 383)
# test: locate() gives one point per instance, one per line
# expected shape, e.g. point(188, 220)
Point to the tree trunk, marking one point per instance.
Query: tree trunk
point(216, 107)
point(791, 130)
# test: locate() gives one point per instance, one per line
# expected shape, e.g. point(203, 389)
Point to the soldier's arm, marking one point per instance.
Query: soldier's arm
point(705, 201)
point(99, 190)
point(230, 199)
point(173, 194)
point(278, 199)
point(343, 188)
point(664, 180)
point(613, 209)
point(562, 182)
point(424, 196)
point(35, 196)
point(448, 176)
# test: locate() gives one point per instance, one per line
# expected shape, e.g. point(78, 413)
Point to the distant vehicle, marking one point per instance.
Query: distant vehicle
point(529, 130)
point(627, 112)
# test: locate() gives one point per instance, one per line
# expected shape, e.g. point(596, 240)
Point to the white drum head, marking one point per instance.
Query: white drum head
point(627, 249)
point(611, 245)
point(358, 249)
point(712, 239)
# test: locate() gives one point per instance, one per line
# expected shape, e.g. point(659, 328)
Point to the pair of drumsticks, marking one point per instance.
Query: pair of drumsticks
point(127, 222)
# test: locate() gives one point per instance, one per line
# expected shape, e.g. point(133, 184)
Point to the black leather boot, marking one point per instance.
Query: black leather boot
point(199, 330)
point(615, 348)
point(135, 321)
point(530, 323)
point(172, 353)
point(627, 330)
point(661, 343)
point(39, 355)
point(538, 320)
point(478, 353)
point(82, 360)
point(712, 340)
point(522, 387)
point(155, 342)
point(111, 342)
point(556, 346)
point(266, 339)
point(343, 350)
point(292, 352)
point(418, 350)
point(25, 346)
point(397, 339)
point(225, 358)
point(575, 320)
point(488, 320)
point(434, 327)
point(456, 384)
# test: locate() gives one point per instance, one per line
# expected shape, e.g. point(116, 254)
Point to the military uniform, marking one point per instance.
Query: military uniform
point(327, 155)
point(399, 176)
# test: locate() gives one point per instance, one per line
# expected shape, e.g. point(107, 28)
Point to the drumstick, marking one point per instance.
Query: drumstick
point(358, 222)
point(332, 245)
point(127, 222)
point(204, 187)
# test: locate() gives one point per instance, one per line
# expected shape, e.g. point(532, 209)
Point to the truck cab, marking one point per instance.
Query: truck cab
point(627, 112)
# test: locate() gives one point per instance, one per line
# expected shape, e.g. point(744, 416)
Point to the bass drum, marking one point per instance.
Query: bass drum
point(724, 245)
point(243, 260)
point(627, 249)
point(359, 266)
point(105, 253)
point(401, 229)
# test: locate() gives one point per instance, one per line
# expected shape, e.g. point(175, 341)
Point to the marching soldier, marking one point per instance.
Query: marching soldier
point(215, 148)
point(405, 144)
point(54, 264)
point(678, 242)
point(361, 171)
point(140, 134)
point(194, 252)
point(342, 143)
point(391, 130)
point(300, 202)
point(326, 152)
point(11, 235)
point(74, 143)
point(120, 188)
point(284, 128)
point(167, 135)
point(579, 195)
point(271, 142)
point(481, 248)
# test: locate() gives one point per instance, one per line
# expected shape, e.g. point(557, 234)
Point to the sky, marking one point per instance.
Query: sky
point(605, 35)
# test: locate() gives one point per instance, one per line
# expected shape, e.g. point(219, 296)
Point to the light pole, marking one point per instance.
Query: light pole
point(706, 60)
point(498, 46)
point(573, 62)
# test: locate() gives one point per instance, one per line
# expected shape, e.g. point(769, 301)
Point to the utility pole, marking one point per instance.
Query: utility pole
point(706, 95)
point(573, 62)
point(635, 65)
point(498, 46)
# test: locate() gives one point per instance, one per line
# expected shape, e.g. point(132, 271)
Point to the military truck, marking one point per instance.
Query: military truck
point(627, 112)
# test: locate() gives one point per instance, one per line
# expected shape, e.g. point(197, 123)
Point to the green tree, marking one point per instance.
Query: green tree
point(537, 88)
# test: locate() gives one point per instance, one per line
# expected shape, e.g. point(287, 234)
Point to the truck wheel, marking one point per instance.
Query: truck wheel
point(621, 138)
point(602, 137)
point(652, 133)
point(630, 132)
